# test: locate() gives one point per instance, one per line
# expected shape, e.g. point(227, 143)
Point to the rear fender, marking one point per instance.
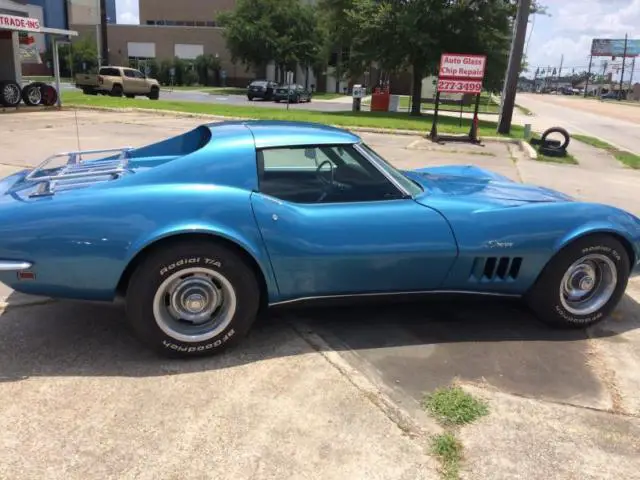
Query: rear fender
point(257, 252)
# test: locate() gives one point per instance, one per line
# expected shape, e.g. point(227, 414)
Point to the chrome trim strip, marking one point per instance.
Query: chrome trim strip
point(12, 266)
point(373, 161)
point(390, 294)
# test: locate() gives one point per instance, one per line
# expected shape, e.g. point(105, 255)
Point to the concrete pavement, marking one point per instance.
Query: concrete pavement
point(277, 407)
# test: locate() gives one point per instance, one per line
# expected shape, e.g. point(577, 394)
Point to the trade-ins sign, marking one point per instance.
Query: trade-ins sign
point(461, 73)
point(25, 24)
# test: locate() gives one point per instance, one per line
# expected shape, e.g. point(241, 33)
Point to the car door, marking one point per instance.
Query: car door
point(129, 81)
point(335, 224)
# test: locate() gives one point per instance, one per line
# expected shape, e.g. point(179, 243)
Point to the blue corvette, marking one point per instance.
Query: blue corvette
point(203, 230)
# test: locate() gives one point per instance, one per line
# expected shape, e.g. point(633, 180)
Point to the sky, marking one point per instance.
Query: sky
point(572, 25)
point(567, 30)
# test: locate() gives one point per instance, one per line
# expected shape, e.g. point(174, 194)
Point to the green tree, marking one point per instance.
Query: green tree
point(283, 31)
point(207, 67)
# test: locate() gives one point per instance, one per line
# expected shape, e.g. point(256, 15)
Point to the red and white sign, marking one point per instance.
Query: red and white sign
point(459, 86)
point(461, 73)
point(25, 24)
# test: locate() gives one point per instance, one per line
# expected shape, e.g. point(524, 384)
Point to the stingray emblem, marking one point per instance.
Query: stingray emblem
point(498, 244)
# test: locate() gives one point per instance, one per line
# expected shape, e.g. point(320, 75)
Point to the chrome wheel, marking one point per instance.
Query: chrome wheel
point(34, 95)
point(588, 284)
point(11, 94)
point(194, 305)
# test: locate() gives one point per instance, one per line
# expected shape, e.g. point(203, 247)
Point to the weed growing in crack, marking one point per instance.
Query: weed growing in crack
point(448, 449)
point(454, 406)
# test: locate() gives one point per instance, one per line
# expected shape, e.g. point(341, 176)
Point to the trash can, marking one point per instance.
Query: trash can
point(380, 99)
point(394, 103)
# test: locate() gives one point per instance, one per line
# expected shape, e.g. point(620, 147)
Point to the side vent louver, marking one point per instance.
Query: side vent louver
point(495, 269)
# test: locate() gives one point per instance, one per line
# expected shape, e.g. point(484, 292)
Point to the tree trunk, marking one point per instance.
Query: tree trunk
point(338, 68)
point(416, 89)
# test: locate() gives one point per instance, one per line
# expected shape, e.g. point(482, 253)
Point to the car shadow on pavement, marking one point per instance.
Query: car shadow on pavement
point(417, 345)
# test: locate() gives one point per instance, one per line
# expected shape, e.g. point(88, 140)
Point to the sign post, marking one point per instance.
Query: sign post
point(460, 73)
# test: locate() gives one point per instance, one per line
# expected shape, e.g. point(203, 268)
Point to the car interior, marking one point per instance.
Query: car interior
point(323, 174)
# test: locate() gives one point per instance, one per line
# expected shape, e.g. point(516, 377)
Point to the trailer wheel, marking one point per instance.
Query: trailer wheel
point(10, 93)
point(32, 94)
point(49, 95)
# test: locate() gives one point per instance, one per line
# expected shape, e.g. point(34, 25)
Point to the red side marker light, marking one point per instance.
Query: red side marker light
point(26, 276)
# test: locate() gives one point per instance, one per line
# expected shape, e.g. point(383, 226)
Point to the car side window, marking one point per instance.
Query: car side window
point(129, 74)
point(322, 174)
point(138, 74)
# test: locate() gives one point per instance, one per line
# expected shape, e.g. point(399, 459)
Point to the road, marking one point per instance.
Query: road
point(614, 123)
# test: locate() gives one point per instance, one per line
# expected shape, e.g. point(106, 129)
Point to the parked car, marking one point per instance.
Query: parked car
point(261, 89)
point(610, 96)
point(296, 93)
point(202, 231)
point(118, 81)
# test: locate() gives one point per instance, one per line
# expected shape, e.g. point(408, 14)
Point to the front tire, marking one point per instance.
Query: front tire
point(192, 298)
point(582, 284)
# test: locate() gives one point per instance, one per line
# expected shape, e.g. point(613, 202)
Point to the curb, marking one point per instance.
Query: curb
point(416, 133)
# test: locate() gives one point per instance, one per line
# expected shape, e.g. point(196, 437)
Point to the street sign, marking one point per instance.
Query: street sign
point(289, 80)
point(461, 73)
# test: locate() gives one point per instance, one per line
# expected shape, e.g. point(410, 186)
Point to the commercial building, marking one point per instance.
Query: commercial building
point(23, 34)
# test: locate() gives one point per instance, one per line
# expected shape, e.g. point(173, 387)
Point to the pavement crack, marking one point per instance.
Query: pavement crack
point(606, 375)
point(403, 420)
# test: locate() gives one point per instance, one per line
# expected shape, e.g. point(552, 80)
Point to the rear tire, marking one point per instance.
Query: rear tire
point(116, 91)
point(582, 284)
point(199, 279)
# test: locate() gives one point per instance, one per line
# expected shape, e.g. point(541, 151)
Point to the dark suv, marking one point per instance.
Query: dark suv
point(261, 89)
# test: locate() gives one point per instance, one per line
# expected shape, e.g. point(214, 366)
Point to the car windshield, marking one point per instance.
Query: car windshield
point(409, 185)
point(259, 83)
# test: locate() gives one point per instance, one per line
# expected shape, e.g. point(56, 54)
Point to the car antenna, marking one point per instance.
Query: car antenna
point(75, 113)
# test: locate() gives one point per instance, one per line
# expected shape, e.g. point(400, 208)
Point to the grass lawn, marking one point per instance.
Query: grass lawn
point(630, 159)
point(487, 105)
point(387, 120)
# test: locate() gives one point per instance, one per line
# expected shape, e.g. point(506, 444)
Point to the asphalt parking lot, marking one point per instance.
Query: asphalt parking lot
point(87, 402)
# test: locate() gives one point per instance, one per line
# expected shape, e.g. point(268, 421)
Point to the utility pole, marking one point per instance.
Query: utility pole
point(104, 43)
point(586, 87)
point(515, 61)
point(624, 58)
point(559, 77)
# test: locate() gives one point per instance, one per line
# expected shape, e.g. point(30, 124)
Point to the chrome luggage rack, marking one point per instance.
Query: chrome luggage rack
point(78, 172)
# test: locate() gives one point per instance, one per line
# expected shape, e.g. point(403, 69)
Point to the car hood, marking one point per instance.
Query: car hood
point(471, 183)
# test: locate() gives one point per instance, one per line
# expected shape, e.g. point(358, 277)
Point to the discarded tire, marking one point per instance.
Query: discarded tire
point(552, 152)
point(32, 94)
point(49, 95)
point(10, 94)
point(555, 144)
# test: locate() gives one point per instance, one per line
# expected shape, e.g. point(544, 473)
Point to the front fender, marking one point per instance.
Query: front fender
point(254, 249)
point(619, 223)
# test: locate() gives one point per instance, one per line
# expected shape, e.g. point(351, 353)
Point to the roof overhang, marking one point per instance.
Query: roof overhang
point(27, 24)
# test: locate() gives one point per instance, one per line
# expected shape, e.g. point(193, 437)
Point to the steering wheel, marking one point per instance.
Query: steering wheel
point(324, 181)
point(327, 184)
